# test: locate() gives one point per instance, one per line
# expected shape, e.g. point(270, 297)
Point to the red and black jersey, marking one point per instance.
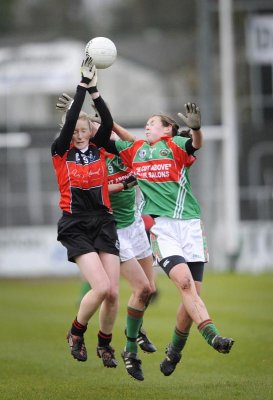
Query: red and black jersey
point(82, 176)
point(82, 180)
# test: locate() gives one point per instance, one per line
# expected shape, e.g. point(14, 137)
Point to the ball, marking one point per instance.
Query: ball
point(148, 221)
point(102, 50)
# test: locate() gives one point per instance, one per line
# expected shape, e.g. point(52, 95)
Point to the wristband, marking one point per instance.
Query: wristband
point(92, 89)
point(85, 80)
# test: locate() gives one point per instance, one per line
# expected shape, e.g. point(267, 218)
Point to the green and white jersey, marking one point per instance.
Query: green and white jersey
point(162, 173)
point(122, 203)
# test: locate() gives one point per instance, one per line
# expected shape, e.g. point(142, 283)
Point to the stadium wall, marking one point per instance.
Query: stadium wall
point(35, 252)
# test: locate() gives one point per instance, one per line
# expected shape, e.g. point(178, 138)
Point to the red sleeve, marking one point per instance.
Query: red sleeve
point(127, 154)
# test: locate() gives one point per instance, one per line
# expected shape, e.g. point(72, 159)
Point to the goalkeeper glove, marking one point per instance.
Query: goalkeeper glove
point(193, 116)
point(64, 103)
point(129, 182)
point(89, 74)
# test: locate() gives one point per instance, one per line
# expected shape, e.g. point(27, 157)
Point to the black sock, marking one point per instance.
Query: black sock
point(104, 339)
point(78, 329)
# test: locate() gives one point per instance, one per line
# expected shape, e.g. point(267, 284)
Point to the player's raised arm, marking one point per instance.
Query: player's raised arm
point(106, 120)
point(122, 133)
point(62, 143)
point(192, 119)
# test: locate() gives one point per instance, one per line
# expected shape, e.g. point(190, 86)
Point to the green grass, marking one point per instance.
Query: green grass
point(35, 363)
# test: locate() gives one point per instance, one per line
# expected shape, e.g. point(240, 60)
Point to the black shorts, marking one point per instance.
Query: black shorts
point(196, 268)
point(82, 234)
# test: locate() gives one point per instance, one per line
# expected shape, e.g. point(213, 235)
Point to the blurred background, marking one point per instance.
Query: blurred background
point(217, 53)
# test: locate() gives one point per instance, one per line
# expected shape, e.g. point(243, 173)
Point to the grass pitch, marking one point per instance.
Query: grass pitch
point(35, 363)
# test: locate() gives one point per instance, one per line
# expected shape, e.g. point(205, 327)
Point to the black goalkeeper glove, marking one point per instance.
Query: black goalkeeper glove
point(129, 182)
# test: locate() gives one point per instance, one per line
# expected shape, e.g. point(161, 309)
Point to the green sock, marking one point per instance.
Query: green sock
point(146, 306)
point(134, 321)
point(208, 330)
point(140, 326)
point(179, 340)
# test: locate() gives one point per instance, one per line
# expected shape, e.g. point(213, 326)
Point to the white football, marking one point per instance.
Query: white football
point(102, 50)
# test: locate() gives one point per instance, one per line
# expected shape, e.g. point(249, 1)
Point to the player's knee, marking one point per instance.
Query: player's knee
point(145, 294)
point(112, 295)
point(185, 283)
point(153, 291)
point(102, 291)
point(152, 295)
point(100, 294)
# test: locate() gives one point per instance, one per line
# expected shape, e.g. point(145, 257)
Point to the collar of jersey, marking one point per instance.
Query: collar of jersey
point(85, 149)
point(165, 137)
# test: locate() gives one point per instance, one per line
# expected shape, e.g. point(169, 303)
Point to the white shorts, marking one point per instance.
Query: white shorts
point(134, 242)
point(176, 237)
